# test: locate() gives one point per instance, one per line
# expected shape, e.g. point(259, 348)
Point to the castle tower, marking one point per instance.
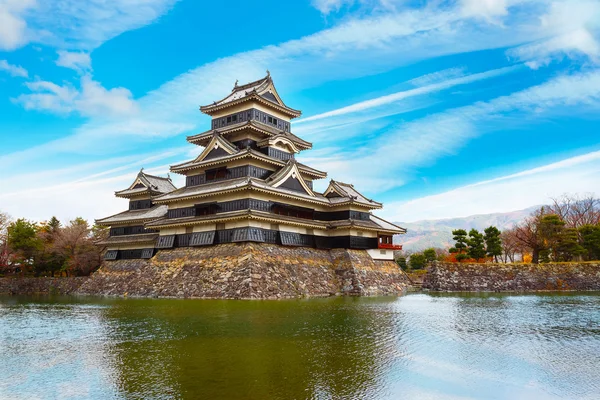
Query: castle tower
point(128, 237)
point(246, 185)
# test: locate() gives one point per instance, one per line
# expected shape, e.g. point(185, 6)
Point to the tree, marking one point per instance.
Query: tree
point(460, 245)
point(476, 248)
point(493, 242)
point(22, 238)
point(401, 261)
point(576, 210)
point(75, 243)
point(430, 254)
point(460, 239)
point(527, 234)
point(5, 251)
point(417, 261)
point(568, 247)
point(50, 260)
point(590, 241)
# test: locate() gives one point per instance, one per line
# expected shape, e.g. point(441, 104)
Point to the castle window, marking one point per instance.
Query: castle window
point(234, 118)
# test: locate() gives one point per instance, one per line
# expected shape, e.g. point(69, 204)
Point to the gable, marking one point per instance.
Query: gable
point(269, 96)
point(214, 153)
point(293, 183)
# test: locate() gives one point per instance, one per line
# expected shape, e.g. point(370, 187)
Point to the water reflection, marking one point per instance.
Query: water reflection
point(252, 350)
point(417, 346)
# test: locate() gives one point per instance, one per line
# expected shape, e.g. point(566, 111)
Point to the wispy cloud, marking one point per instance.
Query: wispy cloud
point(83, 190)
point(13, 70)
point(438, 76)
point(394, 97)
point(442, 134)
point(580, 174)
point(327, 6)
point(74, 24)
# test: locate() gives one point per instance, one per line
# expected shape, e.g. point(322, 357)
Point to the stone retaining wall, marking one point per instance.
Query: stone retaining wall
point(512, 277)
point(248, 271)
point(19, 285)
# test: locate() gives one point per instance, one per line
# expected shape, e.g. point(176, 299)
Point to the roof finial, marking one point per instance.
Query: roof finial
point(141, 170)
point(268, 73)
point(235, 84)
point(168, 175)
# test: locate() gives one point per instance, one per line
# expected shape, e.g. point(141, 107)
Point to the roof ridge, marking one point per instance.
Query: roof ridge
point(237, 87)
point(168, 178)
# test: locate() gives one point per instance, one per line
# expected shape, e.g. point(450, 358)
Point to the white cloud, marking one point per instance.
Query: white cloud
point(79, 61)
point(579, 174)
point(91, 100)
point(13, 28)
point(13, 70)
point(570, 29)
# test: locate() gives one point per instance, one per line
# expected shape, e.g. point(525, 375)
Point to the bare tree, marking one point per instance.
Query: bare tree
point(528, 236)
point(511, 246)
point(576, 210)
point(5, 221)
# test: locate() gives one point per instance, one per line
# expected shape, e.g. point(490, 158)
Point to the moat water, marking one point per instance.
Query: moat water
point(418, 346)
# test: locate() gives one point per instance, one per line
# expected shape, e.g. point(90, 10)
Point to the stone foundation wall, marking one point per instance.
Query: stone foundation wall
point(512, 277)
point(248, 271)
point(18, 285)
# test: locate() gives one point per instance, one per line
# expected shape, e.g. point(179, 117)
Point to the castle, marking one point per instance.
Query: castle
point(246, 185)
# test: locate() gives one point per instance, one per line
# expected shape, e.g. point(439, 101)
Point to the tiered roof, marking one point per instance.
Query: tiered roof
point(147, 184)
point(262, 91)
point(141, 216)
point(339, 192)
point(203, 138)
point(144, 184)
point(241, 154)
point(265, 186)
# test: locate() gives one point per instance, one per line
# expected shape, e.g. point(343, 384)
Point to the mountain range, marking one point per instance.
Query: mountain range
point(438, 232)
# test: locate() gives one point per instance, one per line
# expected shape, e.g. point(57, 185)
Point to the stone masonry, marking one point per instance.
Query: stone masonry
point(248, 271)
point(512, 277)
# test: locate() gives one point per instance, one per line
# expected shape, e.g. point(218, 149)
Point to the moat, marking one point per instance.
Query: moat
point(415, 346)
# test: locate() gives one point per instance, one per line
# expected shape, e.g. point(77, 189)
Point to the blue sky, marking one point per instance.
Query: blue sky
point(437, 108)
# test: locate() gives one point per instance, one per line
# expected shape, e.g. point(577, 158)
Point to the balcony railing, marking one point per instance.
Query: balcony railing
point(389, 246)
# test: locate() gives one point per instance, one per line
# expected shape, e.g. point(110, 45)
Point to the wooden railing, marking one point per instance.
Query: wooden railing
point(389, 246)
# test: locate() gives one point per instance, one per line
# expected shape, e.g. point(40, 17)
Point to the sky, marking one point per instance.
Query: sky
point(436, 108)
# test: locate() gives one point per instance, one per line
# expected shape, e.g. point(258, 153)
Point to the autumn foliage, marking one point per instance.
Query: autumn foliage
point(49, 248)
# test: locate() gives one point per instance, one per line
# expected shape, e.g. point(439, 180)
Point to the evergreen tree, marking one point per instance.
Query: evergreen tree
point(430, 255)
point(568, 247)
point(417, 261)
point(476, 245)
point(590, 241)
point(401, 261)
point(493, 243)
point(550, 230)
point(22, 238)
point(460, 245)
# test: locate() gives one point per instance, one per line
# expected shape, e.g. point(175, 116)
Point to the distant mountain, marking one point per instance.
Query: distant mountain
point(438, 232)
